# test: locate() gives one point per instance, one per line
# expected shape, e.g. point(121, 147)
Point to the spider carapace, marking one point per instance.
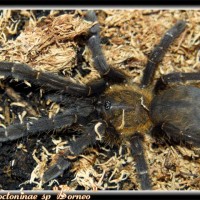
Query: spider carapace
point(113, 107)
point(126, 108)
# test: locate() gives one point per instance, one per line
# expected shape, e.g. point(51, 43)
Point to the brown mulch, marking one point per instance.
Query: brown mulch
point(53, 43)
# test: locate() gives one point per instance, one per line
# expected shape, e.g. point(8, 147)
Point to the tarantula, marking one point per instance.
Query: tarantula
point(113, 107)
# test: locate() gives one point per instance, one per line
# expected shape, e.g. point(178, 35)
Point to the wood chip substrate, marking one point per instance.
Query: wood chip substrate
point(55, 41)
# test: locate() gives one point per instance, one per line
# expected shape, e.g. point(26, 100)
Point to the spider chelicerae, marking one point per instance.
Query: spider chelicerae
point(113, 109)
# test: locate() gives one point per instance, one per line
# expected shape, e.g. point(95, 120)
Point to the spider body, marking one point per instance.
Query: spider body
point(125, 107)
point(177, 110)
point(122, 112)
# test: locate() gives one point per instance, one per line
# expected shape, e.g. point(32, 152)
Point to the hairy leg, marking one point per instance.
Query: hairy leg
point(75, 112)
point(50, 81)
point(141, 165)
point(77, 146)
point(18, 130)
point(168, 79)
point(94, 43)
point(159, 51)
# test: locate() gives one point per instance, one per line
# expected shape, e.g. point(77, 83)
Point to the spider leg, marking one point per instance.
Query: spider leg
point(99, 59)
point(87, 138)
point(16, 131)
point(75, 113)
point(51, 81)
point(141, 165)
point(66, 100)
point(167, 79)
point(159, 51)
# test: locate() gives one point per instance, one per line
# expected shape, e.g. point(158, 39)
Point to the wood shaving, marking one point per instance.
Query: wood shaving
point(50, 45)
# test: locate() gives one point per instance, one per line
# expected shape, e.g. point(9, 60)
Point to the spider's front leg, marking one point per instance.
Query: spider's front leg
point(94, 43)
point(87, 138)
point(75, 113)
point(50, 81)
point(18, 130)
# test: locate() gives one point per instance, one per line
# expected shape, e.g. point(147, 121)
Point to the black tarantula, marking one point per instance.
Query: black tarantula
point(112, 107)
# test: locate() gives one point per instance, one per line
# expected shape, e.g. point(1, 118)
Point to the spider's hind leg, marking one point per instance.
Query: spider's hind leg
point(159, 51)
point(168, 79)
point(141, 165)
